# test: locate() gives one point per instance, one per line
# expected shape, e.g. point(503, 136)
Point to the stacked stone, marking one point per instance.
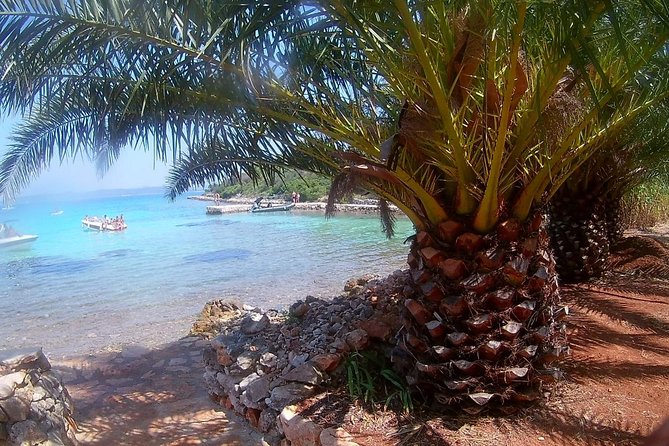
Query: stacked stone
point(262, 362)
point(35, 408)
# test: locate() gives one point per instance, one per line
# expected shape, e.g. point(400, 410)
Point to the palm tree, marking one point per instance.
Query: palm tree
point(585, 213)
point(460, 113)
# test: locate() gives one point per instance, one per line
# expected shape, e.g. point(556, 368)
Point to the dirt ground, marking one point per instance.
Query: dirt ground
point(616, 389)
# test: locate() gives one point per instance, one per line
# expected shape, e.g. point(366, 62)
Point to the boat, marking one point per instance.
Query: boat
point(103, 224)
point(57, 212)
point(9, 237)
point(259, 208)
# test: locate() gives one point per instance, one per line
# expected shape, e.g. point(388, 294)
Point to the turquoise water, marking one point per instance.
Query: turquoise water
point(74, 291)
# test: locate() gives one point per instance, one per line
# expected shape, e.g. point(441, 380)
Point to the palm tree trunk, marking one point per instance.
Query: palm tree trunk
point(482, 321)
point(614, 222)
point(579, 232)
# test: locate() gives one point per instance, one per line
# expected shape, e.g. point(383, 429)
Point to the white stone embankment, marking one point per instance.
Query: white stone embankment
point(237, 205)
point(35, 408)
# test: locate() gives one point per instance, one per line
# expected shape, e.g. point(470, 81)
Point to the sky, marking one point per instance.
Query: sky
point(133, 169)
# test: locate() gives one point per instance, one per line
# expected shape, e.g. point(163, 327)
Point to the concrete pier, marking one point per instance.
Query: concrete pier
point(227, 208)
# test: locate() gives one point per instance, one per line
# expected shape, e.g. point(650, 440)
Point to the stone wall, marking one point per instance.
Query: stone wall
point(35, 408)
point(259, 362)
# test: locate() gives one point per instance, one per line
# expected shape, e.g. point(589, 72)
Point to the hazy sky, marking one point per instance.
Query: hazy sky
point(133, 169)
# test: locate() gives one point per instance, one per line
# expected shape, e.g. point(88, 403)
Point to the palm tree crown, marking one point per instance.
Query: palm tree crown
point(442, 109)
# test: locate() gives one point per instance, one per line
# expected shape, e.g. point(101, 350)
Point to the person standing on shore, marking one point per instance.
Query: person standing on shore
point(297, 198)
point(294, 197)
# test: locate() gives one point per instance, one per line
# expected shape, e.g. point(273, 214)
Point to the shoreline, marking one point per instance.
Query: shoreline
point(240, 204)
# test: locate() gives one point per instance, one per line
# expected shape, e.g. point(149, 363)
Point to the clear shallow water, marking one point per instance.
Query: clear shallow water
point(75, 291)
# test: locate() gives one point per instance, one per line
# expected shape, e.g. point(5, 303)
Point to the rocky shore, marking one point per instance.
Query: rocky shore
point(261, 363)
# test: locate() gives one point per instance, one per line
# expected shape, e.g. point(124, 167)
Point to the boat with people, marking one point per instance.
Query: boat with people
point(104, 223)
point(9, 237)
point(269, 207)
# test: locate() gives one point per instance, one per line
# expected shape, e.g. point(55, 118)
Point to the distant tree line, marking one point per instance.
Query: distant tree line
point(311, 187)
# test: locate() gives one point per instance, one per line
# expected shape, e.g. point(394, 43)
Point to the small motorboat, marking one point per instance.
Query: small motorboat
point(56, 212)
point(104, 224)
point(9, 237)
point(259, 208)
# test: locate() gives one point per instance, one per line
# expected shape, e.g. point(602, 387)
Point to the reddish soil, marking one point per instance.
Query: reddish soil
point(616, 389)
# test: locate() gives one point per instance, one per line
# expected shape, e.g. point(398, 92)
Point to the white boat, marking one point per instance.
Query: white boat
point(57, 212)
point(9, 237)
point(101, 224)
point(269, 207)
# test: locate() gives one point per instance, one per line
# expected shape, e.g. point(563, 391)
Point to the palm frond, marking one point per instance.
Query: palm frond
point(488, 105)
point(387, 218)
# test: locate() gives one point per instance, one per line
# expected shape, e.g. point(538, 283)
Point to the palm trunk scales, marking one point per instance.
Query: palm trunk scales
point(482, 322)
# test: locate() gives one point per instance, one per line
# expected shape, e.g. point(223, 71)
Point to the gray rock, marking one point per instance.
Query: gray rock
point(244, 383)
point(26, 433)
point(298, 309)
point(293, 392)
point(43, 406)
point(268, 359)
point(297, 360)
point(17, 407)
point(220, 341)
point(247, 361)
point(305, 373)
point(357, 339)
point(251, 308)
point(254, 323)
point(9, 383)
point(258, 389)
point(22, 359)
point(50, 384)
point(267, 420)
point(228, 382)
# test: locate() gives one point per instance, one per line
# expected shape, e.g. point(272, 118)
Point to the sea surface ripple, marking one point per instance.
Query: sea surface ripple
point(76, 291)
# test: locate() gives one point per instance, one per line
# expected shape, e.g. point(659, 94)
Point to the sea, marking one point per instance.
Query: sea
point(75, 291)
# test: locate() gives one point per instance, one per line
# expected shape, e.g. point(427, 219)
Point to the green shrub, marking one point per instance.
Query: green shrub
point(370, 378)
point(646, 205)
point(311, 187)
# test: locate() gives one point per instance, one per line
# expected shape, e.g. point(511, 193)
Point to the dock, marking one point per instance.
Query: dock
point(227, 209)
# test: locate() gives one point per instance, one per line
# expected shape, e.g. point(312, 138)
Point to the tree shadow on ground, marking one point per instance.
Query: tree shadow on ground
point(584, 428)
point(587, 333)
point(620, 307)
point(148, 397)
